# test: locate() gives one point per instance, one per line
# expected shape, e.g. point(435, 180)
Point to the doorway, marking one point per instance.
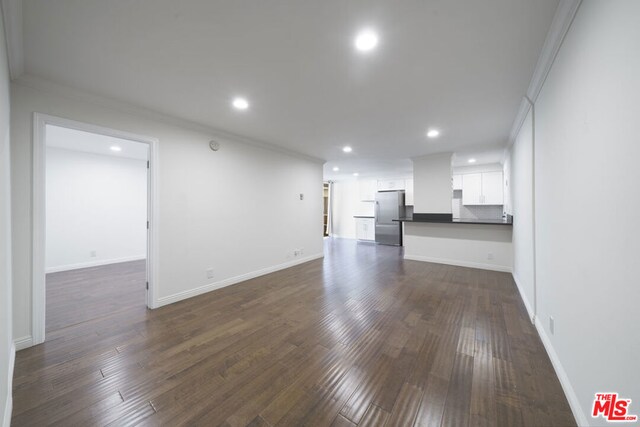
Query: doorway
point(94, 232)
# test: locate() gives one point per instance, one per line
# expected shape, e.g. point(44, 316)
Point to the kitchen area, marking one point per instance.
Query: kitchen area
point(443, 212)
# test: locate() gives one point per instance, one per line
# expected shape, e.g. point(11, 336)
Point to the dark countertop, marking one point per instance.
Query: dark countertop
point(363, 216)
point(508, 221)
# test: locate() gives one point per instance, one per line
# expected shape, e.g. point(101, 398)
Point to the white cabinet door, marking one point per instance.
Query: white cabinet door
point(492, 188)
point(408, 192)
point(360, 231)
point(369, 229)
point(390, 184)
point(457, 182)
point(365, 229)
point(472, 189)
point(367, 190)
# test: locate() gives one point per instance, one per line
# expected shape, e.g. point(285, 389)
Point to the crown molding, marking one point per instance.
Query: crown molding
point(12, 17)
point(37, 83)
point(561, 23)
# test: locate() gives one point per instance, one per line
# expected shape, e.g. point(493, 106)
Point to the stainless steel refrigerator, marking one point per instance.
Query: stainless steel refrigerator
point(389, 206)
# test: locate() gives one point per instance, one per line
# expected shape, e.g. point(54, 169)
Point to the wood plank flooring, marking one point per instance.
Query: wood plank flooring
point(87, 294)
point(359, 338)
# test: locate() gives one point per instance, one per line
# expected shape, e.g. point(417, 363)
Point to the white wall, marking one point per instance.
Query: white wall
point(237, 210)
point(6, 344)
point(587, 147)
point(432, 183)
point(94, 203)
point(346, 204)
point(478, 245)
point(519, 175)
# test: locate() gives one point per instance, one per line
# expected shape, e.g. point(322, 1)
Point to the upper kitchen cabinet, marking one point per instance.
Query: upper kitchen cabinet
point(482, 188)
point(408, 192)
point(492, 188)
point(457, 182)
point(367, 190)
point(390, 184)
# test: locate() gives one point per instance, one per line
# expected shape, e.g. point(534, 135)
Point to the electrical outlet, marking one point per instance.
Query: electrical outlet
point(490, 255)
point(210, 273)
point(301, 251)
point(552, 325)
point(93, 254)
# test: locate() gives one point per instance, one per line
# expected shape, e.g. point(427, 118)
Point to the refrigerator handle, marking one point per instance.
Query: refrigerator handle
point(377, 212)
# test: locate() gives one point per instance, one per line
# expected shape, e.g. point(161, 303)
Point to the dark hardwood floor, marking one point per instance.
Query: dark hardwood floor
point(87, 294)
point(359, 338)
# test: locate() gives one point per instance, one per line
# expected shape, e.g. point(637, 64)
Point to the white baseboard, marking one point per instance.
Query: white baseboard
point(93, 263)
point(232, 281)
point(8, 404)
point(524, 298)
point(458, 263)
point(24, 342)
point(570, 394)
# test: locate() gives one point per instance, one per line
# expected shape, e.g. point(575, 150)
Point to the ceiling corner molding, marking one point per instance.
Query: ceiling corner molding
point(562, 20)
point(37, 83)
point(12, 16)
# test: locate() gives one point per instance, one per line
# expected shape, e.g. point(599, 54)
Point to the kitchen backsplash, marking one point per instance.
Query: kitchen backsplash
point(474, 212)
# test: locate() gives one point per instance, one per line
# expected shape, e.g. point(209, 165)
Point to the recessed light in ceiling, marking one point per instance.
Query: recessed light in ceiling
point(347, 149)
point(356, 174)
point(472, 160)
point(336, 169)
point(115, 148)
point(366, 40)
point(240, 103)
point(433, 133)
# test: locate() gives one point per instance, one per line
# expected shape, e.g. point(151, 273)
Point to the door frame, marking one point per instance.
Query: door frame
point(38, 293)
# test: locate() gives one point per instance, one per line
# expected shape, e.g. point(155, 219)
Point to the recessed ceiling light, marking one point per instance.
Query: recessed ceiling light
point(115, 148)
point(347, 149)
point(366, 40)
point(356, 174)
point(240, 103)
point(433, 133)
point(336, 169)
point(472, 160)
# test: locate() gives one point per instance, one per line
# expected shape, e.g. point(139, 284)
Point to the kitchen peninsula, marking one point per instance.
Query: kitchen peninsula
point(433, 235)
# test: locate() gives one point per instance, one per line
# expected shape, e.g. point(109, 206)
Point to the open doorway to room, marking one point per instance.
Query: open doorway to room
point(92, 225)
point(325, 212)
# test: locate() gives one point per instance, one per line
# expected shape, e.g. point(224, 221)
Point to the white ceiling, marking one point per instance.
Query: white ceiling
point(77, 140)
point(460, 66)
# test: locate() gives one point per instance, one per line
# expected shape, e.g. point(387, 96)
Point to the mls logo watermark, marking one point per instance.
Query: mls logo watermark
point(612, 408)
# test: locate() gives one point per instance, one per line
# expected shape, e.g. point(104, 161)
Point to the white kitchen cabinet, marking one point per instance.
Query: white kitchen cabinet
point(408, 192)
point(482, 188)
point(367, 190)
point(492, 188)
point(365, 229)
point(390, 184)
point(457, 182)
point(472, 189)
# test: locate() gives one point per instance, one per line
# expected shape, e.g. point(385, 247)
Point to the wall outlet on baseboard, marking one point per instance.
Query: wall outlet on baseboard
point(490, 255)
point(209, 273)
point(93, 254)
point(552, 325)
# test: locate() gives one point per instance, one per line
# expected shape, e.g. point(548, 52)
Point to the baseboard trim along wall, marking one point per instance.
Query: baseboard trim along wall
point(22, 343)
point(232, 281)
point(8, 404)
point(459, 263)
point(572, 398)
point(524, 298)
point(94, 264)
